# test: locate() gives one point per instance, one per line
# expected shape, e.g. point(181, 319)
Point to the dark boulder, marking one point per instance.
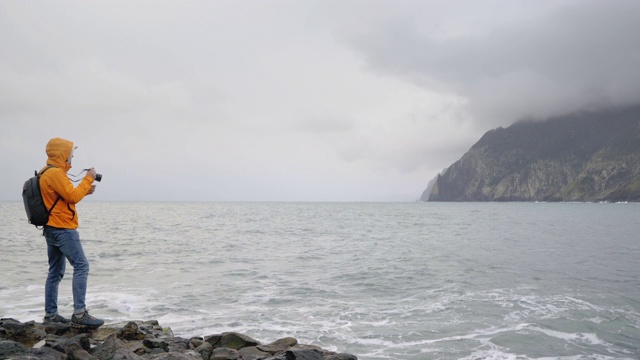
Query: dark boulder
point(80, 341)
point(253, 353)
point(113, 348)
point(10, 348)
point(279, 345)
point(234, 340)
point(225, 354)
point(342, 356)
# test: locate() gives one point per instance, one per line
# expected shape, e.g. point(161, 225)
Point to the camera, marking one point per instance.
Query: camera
point(98, 176)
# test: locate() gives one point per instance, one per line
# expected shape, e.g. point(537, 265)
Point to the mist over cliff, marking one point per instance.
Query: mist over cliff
point(583, 156)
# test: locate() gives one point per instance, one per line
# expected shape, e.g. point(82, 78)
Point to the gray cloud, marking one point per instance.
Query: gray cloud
point(349, 100)
point(572, 56)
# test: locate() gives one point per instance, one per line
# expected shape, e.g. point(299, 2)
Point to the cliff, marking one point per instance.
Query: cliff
point(589, 156)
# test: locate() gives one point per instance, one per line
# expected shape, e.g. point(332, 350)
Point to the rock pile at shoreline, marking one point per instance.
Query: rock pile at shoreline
point(144, 340)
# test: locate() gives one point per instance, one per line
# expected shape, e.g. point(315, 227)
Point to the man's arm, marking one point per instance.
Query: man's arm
point(64, 187)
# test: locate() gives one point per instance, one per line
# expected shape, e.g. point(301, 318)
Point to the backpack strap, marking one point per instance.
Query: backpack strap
point(38, 175)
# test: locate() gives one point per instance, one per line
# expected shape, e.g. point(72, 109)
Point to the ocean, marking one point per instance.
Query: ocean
point(378, 280)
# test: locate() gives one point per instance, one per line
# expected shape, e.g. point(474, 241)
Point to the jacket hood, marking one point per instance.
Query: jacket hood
point(59, 152)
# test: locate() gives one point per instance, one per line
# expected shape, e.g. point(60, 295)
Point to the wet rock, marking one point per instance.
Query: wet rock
point(152, 327)
point(313, 347)
point(156, 351)
point(24, 333)
point(213, 339)
point(10, 347)
point(57, 328)
point(176, 344)
point(113, 348)
point(205, 350)
point(341, 356)
point(48, 353)
point(131, 332)
point(279, 345)
point(196, 342)
point(138, 340)
point(61, 344)
point(175, 356)
point(103, 332)
point(156, 344)
point(310, 354)
point(253, 353)
point(137, 347)
point(225, 354)
point(78, 354)
point(234, 340)
point(11, 325)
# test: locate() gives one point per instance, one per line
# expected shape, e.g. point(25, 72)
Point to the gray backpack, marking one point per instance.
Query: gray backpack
point(37, 212)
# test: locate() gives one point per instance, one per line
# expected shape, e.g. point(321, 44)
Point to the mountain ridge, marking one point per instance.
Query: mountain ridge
point(586, 156)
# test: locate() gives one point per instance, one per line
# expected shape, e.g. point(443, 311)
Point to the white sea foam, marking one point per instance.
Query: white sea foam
point(597, 319)
point(584, 338)
point(492, 355)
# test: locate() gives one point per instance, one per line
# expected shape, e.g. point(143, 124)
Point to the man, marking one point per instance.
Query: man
point(63, 240)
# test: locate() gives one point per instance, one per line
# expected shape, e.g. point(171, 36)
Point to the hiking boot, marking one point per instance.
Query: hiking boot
point(48, 320)
point(86, 321)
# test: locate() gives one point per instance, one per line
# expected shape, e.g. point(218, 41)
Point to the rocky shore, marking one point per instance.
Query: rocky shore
point(144, 340)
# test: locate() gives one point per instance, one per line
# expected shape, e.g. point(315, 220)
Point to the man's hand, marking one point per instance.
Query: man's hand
point(92, 173)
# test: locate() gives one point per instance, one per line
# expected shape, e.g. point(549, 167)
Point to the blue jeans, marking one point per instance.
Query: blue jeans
point(65, 244)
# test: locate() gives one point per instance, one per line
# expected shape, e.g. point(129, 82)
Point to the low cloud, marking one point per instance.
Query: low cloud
point(574, 56)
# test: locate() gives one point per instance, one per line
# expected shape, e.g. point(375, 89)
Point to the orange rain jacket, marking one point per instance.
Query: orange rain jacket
point(54, 183)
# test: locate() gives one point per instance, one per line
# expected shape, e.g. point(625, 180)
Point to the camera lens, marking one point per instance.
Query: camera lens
point(98, 177)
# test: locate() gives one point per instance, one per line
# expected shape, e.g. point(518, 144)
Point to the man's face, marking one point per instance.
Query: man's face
point(71, 155)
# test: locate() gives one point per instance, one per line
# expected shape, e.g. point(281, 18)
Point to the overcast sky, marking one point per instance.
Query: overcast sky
point(294, 100)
